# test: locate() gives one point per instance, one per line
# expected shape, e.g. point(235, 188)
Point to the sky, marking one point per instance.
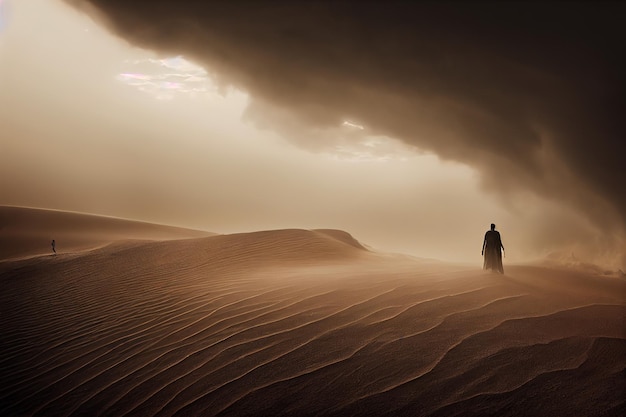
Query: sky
point(412, 127)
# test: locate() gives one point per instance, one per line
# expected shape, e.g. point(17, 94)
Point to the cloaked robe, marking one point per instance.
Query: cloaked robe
point(493, 252)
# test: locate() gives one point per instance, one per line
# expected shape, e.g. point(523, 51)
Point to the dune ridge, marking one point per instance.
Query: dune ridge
point(302, 322)
point(26, 231)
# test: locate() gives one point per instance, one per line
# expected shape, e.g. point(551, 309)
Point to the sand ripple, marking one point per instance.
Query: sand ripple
point(301, 323)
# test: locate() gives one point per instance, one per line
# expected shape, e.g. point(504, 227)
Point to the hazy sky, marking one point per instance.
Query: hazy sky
point(411, 129)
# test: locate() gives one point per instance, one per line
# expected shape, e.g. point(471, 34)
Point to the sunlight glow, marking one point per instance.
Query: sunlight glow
point(352, 125)
point(371, 149)
point(167, 77)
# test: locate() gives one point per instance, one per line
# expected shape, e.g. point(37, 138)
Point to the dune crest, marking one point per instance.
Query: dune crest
point(342, 236)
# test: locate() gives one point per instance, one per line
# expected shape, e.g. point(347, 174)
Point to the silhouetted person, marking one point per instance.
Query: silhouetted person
point(54, 247)
point(492, 250)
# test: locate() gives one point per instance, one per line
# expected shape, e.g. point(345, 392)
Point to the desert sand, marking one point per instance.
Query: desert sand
point(28, 232)
point(137, 319)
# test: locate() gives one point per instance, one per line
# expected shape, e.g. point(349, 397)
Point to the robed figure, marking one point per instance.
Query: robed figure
point(492, 250)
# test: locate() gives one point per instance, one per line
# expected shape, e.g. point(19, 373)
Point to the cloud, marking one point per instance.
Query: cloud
point(527, 93)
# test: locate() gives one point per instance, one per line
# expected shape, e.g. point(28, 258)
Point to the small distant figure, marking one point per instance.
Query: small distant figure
point(54, 246)
point(492, 250)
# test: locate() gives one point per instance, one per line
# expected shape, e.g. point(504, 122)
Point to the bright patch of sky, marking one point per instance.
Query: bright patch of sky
point(372, 149)
point(166, 78)
point(348, 123)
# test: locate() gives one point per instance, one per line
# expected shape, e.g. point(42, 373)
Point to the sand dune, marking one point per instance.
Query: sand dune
point(299, 322)
point(28, 231)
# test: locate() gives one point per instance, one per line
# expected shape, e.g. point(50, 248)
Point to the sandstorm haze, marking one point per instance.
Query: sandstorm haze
point(411, 126)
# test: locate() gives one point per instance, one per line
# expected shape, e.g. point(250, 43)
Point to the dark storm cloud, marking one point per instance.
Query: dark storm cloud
point(528, 93)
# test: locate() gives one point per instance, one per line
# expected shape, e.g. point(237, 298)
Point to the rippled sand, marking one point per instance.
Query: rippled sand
point(297, 322)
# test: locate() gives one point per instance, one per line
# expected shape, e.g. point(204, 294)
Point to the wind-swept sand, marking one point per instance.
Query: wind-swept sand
point(26, 232)
point(297, 322)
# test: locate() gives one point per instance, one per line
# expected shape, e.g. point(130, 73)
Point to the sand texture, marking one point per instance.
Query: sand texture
point(298, 322)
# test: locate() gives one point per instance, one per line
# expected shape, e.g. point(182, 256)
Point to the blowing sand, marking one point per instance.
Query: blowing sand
point(298, 322)
point(25, 232)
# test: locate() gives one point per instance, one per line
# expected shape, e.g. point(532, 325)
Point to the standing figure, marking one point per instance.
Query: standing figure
point(492, 250)
point(54, 247)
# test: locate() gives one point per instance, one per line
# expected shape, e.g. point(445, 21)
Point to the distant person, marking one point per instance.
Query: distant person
point(54, 247)
point(492, 250)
